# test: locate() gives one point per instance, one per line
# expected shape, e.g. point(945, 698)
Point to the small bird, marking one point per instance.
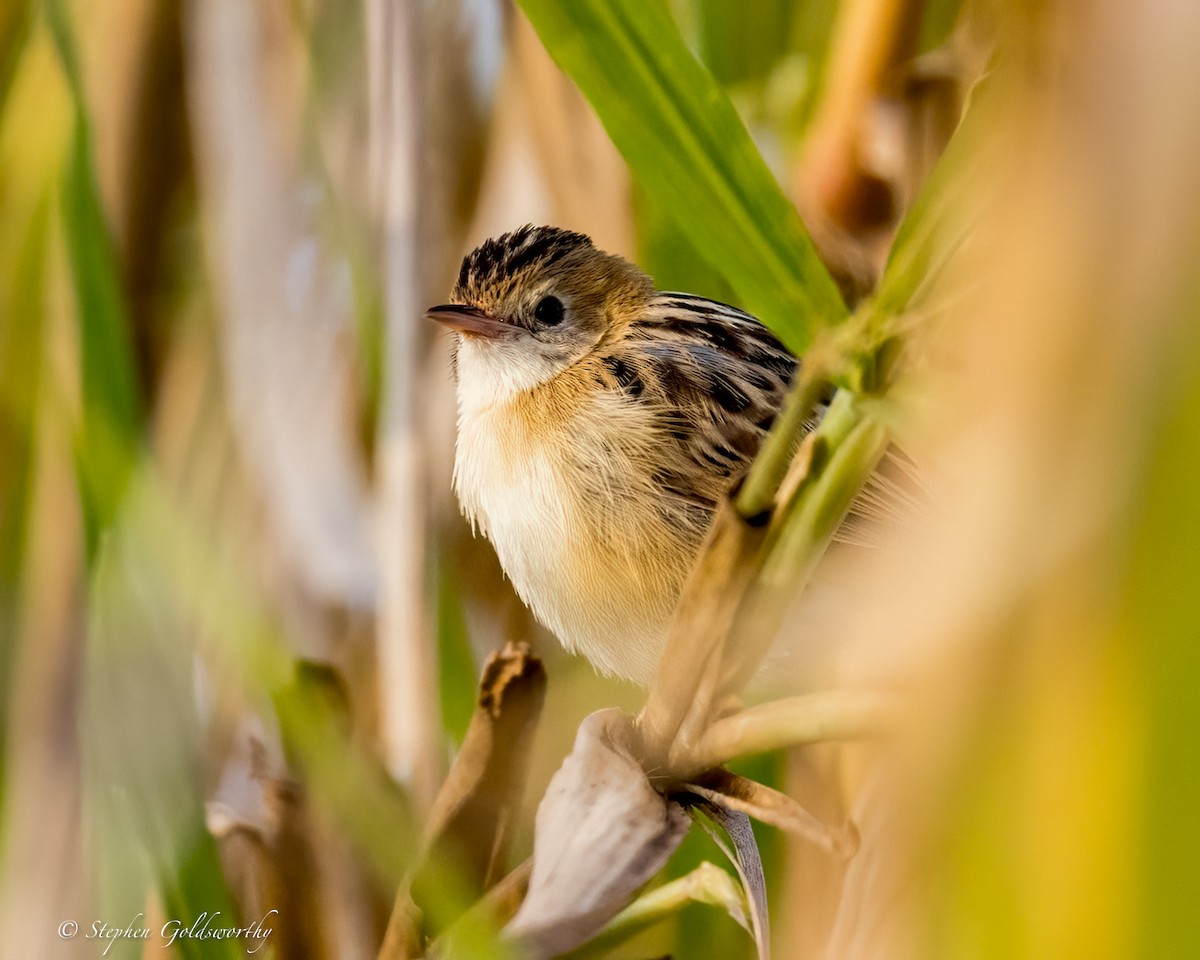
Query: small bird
point(600, 424)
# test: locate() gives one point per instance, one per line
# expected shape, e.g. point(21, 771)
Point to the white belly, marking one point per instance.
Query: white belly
point(579, 530)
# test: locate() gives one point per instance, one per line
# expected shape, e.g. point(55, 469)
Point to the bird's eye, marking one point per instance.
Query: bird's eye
point(549, 312)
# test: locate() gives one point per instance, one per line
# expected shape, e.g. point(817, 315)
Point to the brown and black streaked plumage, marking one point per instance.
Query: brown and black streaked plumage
point(601, 421)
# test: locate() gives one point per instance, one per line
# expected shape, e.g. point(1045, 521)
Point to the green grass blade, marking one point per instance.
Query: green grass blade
point(457, 671)
point(1161, 627)
point(940, 220)
point(15, 19)
point(20, 366)
point(143, 752)
point(708, 884)
point(141, 781)
point(687, 146)
point(740, 42)
point(107, 447)
point(934, 226)
point(666, 252)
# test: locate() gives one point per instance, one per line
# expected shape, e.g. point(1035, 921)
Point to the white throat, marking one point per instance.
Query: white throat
point(496, 373)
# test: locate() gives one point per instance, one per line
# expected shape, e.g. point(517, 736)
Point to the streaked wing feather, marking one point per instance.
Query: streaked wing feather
point(718, 377)
point(721, 376)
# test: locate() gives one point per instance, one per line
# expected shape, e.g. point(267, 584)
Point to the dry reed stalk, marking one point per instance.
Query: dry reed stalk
point(286, 349)
point(872, 40)
point(407, 664)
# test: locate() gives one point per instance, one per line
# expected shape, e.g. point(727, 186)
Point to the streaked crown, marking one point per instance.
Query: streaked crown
point(492, 270)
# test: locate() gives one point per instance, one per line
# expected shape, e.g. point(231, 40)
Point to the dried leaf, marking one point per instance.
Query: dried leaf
point(470, 822)
point(745, 857)
point(738, 794)
point(602, 831)
point(469, 825)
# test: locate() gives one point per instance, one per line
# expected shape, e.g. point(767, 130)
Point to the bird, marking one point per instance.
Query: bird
point(600, 424)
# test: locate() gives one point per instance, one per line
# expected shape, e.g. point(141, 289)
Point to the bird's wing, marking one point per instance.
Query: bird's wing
point(719, 377)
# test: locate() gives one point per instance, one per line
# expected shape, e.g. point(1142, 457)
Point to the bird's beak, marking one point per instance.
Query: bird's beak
point(472, 321)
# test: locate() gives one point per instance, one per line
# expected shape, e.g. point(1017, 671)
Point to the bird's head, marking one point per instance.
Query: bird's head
point(531, 303)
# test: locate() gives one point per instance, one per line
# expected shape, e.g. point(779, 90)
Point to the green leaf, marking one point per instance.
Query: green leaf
point(457, 671)
point(1161, 625)
point(938, 23)
point(740, 42)
point(708, 884)
point(108, 445)
point(687, 146)
point(939, 222)
point(15, 21)
point(142, 750)
point(351, 786)
point(20, 366)
point(934, 227)
point(666, 252)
